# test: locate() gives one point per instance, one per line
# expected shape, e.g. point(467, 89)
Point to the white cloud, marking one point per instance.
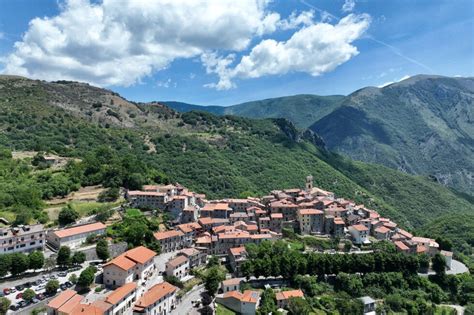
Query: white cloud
point(395, 81)
point(119, 42)
point(314, 49)
point(348, 6)
point(305, 18)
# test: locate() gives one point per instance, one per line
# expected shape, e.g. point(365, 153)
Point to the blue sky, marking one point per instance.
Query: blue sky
point(217, 53)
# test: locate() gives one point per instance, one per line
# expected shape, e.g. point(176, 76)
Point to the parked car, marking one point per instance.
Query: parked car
point(14, 307)
point(68, 284)
point(62, 274)
point(20, 287)
point(34, 300)
point(19, 295)
point(40, 296)
point(6, 291)
point(63, 286)
point(27, 284)
point(22, 304)
point(41, 287)
point(53, 277)
point(12, 290)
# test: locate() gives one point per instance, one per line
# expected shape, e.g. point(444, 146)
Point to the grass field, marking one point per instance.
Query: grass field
point(222, 310)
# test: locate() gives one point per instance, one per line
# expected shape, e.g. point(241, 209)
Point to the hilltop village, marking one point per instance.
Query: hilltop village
point(198, 236)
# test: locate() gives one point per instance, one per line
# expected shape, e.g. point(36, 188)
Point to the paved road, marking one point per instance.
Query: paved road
point(457, 267)
point(185, 306)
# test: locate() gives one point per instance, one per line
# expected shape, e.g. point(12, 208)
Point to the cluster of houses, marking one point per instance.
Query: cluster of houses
point(202, 227)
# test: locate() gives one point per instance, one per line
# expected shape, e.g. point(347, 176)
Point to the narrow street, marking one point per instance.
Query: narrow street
point(185, 306)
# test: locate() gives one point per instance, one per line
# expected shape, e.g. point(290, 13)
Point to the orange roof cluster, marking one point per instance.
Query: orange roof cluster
point(232, 281)
point(155, 293)
point(276, 215)
point(285, 295)
point(75, 230)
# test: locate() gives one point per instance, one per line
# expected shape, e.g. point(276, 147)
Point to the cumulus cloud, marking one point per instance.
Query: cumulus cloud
point(314, 49)
point(348, 6)
point(119, 42)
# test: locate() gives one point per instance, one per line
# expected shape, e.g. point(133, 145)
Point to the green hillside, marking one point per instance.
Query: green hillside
point(302, 110)
point(423, 125)
point(127, 144)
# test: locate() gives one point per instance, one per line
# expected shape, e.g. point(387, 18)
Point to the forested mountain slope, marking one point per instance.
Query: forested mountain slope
point(122, 143)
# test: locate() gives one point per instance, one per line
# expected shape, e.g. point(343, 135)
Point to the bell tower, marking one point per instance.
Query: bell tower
point(309, 183)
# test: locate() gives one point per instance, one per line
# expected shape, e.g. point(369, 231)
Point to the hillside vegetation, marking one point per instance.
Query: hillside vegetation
point(224, 156)
point(423, 125)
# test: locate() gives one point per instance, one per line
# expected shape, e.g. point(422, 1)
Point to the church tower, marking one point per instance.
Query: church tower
point(309, 183)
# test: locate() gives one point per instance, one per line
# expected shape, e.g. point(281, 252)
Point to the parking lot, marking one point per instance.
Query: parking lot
point(15, 289)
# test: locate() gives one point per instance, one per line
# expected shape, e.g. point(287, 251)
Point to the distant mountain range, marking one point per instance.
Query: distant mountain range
point(422, 125)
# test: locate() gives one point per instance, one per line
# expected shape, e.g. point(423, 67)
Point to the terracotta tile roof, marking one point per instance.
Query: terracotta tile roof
point(421, 249)
point(261, 236)
point(232, 281)
point(86, 228)
point(62, 298)
point(122, 262)
point(167, 234)
point(189, 251)
point(236, 251)
point(155, 293)
point(276, 215)
point(285, 295)
point(310, 211)
point(359, 227)
point(405, 233)
point(239, 234)
point(400, 245)
point(382, 230)
point(205, 221)
point(204, 240)
point(248, 296)
point(133, 193)
point(390, 225)
point(140, 254)
point(100, 305)
point(130, 258)
point(70, 304)
point(119, 293)
point(175, 262)
point(85, 309)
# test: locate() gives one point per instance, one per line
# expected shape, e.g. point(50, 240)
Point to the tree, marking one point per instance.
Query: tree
point(5, 264)
point(4, 305)
point(67, 215)
point(102, 249)
point(267, 302)
point(73, 278)
point(52, 287)
point(439, 264)
point(86, 278)
point(78, 258)
point(28, 295)
point(23, 217)
point(298, 306)
point(20, 263)
point(36, 260)
point(64, 256)
point(174, 281)
point(213, 279)
point(49, 263)
point(109, 195)
point(213, 261)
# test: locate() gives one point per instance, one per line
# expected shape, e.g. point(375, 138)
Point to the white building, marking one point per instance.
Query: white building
point(170, 240)
point(75, 236)
point(23, 238)
point(136, 264)
point(242, 303)
point(159, 300)
point(232, 284)
point(178, 267)
point(359, 234)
